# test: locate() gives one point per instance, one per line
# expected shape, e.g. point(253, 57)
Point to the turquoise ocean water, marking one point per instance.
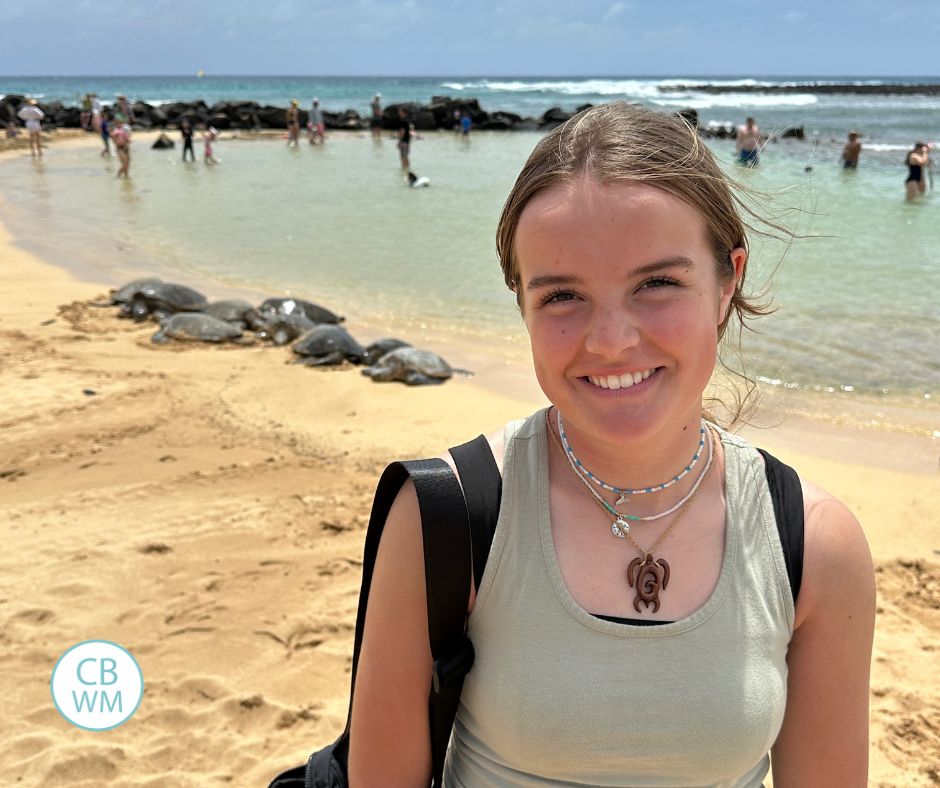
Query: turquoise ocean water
point(854, 338)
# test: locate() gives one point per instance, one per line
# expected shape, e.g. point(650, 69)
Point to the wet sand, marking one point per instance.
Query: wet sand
point(205, 508)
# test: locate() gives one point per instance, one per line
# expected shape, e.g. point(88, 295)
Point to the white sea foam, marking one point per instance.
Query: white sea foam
point(582, 87)
point(885, 146)
point(709, 100)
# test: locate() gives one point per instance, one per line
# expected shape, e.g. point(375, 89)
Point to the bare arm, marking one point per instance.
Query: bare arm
point(824, 739)
point(389, 737)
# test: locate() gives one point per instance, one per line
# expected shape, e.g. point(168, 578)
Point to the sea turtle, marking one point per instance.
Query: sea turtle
point(328, 345)
point(238, 313)
point(410, 365)
point(195, 326)
point(123, 295)
point(293, 306)
point(162, 299)
point(380, 347)
point(281, 329)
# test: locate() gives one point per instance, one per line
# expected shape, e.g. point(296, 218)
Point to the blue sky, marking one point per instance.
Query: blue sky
point(468, 37)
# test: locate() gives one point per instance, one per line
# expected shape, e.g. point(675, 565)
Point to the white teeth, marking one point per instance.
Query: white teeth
point(621, 381)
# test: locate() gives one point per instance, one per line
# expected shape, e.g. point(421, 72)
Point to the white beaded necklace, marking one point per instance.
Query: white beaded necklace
point(621, 524)
point(624, 492)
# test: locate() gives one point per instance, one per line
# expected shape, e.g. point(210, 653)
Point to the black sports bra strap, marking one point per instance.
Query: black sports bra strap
point(482, 489)
point(787, 496)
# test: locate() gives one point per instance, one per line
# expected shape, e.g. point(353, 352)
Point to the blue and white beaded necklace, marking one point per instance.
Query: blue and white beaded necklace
point(625, 492)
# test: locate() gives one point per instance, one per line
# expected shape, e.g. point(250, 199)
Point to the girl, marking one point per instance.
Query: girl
point(637, 622)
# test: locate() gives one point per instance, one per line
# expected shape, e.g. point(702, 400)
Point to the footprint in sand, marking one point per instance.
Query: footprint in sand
point(35, 616)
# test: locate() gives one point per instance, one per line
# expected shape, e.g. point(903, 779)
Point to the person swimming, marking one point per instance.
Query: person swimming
point(417, 183)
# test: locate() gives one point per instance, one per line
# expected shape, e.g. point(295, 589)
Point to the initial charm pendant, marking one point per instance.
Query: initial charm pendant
point(619, 528)
point(622, 499)
point(649, 576)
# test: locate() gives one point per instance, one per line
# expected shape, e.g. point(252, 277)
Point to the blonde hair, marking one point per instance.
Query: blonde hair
point(619, 142)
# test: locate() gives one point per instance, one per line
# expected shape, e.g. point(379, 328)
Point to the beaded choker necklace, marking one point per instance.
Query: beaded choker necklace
point(625, 492)
point(621, 524)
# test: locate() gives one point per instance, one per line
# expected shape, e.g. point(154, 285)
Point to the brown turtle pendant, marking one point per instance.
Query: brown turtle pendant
point(648, 576)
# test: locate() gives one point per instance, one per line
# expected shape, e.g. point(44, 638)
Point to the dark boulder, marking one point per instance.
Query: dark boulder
point(796, 132)
point(554, 117)
point(194, 110)
point(583, 108)
point(220, 120)
point(68, 118)
point(446, 109)
point(348, 120)
point(499, 121)
point(163, 142)
point(422, 118)
point(272, 117)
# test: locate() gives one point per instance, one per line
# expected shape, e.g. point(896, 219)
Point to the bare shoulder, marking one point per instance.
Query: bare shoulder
point(837, 562)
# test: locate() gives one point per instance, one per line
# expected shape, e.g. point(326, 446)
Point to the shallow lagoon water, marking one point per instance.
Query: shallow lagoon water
point(857, 320)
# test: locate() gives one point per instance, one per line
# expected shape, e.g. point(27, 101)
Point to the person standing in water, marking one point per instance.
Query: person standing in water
point(186, 130)
point(851, 151)
point(404, 139)
point(917, 161)
point(377, 116)
point(121, 137)
point(208, 138)
point(86, 112)
point(315, 125)
point(32, 116)
point(104, 129)
point(747, 144)
point(293, 123)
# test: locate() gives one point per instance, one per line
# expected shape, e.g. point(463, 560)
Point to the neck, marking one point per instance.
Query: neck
point(638, 464)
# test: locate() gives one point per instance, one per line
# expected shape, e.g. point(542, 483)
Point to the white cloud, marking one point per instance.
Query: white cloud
point(614, 11)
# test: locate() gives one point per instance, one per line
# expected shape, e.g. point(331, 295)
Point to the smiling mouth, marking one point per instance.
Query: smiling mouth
point(620, 381)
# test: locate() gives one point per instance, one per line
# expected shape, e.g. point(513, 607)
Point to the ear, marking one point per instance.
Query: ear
point(738, 258)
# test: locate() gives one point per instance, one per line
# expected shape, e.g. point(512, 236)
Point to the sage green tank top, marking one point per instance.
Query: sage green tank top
point(558, 696)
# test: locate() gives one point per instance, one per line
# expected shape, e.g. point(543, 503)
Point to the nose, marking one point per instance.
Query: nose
point(612, 331)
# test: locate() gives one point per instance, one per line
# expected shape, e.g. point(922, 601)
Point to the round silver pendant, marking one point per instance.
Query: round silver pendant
point(619, 528)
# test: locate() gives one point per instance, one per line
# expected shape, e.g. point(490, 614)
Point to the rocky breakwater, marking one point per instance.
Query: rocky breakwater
point(442, 113)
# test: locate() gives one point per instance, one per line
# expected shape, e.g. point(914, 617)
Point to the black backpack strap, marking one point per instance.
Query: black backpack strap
point(447, 566)
point(787, 496)
point(483, 489)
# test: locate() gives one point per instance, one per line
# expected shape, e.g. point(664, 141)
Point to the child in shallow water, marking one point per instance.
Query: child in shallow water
point(208, 137)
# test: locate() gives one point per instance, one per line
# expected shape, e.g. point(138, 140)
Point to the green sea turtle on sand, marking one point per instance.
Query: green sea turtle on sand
point(293, 306)
point(281, 329)
point(161, 300)
point(380, 347)
point(411, 366)
point(325, 345)
point(124, 295)
point(236, 312)
point(195, 326)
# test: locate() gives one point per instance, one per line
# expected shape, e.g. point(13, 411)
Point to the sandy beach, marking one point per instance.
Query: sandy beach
point(205, 508)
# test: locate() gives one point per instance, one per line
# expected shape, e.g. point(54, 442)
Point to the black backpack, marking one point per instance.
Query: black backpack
point(458, 527)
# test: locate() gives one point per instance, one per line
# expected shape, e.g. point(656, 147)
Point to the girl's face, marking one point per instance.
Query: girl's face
point(622, 302)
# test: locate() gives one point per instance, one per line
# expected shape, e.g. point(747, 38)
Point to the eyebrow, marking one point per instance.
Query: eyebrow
point(676, 261)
